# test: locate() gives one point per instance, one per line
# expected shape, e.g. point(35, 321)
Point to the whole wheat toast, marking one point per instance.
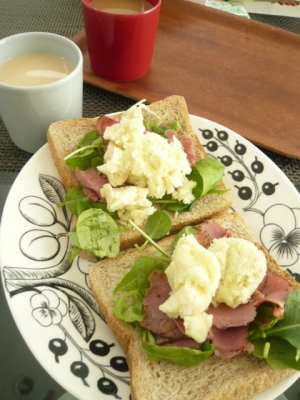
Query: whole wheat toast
point(63, 137)
point(241, 377)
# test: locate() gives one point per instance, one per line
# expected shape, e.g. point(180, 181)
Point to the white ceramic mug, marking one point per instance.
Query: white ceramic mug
point(27, 111)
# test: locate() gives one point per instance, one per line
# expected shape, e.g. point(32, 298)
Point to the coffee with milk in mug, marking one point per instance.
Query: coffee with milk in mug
point(121, 6)
point(34, 69)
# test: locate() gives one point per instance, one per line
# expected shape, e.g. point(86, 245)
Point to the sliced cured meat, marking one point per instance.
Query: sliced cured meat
point(275, 283)
point(209, 231)
point(274, 289)
point(225, 317)
point(169, 135)
point(229, 341)
point(91, 182)
point(216, 231)
point(203, 238)
point(103, 122)
point(186, 143)
point(93, 196)
point(188, 148)
point(155, 320)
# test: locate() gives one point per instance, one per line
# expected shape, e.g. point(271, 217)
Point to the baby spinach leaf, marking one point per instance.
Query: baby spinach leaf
point(145, 270)
point(137, 277)
point(75, 244)
point(74, 253)
point(264, 319)
point(100, 206)
point(167, 203)
point(89, 139)
point(89, 152)
point(158, 129)
point(74, 197)
point(74, 238)
point(278, 353)
point(84, 159)
point(279, 341)
point(288, 328)
point(182, 356)
point(77, 202)
point(98, 232)
point(158, 224)
point(96, 161)
point(129, 307)
point(207, 173)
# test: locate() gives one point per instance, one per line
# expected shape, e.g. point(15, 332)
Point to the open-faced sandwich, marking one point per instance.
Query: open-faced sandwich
point(127, 166)
point(205, 314)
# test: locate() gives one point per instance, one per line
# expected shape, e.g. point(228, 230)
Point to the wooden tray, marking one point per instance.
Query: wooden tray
point(240, 73)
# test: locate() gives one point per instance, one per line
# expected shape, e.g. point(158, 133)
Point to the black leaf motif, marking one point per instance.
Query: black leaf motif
point(82, 318)
point(17, 286)
point(19, 273)
point(53, 190)
point(37, 211)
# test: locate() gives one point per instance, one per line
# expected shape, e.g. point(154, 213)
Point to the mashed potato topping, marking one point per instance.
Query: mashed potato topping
point(145, 160)
point(229, 272)
point(193, 274)
point(130, 202)
point(243, 267)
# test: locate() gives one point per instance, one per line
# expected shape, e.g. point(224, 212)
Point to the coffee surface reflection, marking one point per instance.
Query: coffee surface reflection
point(124, 7)
point(34, 69)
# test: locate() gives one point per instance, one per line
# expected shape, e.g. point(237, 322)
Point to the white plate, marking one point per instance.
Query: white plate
point(50, 300)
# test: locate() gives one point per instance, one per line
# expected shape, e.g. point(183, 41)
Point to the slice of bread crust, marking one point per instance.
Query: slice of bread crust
point(63, 137)
point(241, 377)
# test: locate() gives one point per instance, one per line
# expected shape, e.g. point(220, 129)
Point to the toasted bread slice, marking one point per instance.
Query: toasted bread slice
point(63, 137)
point(240, 377)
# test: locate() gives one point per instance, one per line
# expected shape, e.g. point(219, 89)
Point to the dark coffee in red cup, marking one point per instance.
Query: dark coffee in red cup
point(120, 40)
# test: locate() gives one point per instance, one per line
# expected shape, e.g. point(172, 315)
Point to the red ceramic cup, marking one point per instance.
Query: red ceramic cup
point(120, 46)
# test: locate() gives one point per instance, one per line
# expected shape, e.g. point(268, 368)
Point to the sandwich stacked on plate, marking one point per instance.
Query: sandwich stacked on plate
point(202, 313)
point(127, 173)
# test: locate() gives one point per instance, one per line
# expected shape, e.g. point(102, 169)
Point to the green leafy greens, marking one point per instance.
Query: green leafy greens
point(158, 225)
point(97, 232)
point(89, 152)
point(207, 173)
point(129, 306)
point(77, 202)
point(279, 342)
point(182, 356)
